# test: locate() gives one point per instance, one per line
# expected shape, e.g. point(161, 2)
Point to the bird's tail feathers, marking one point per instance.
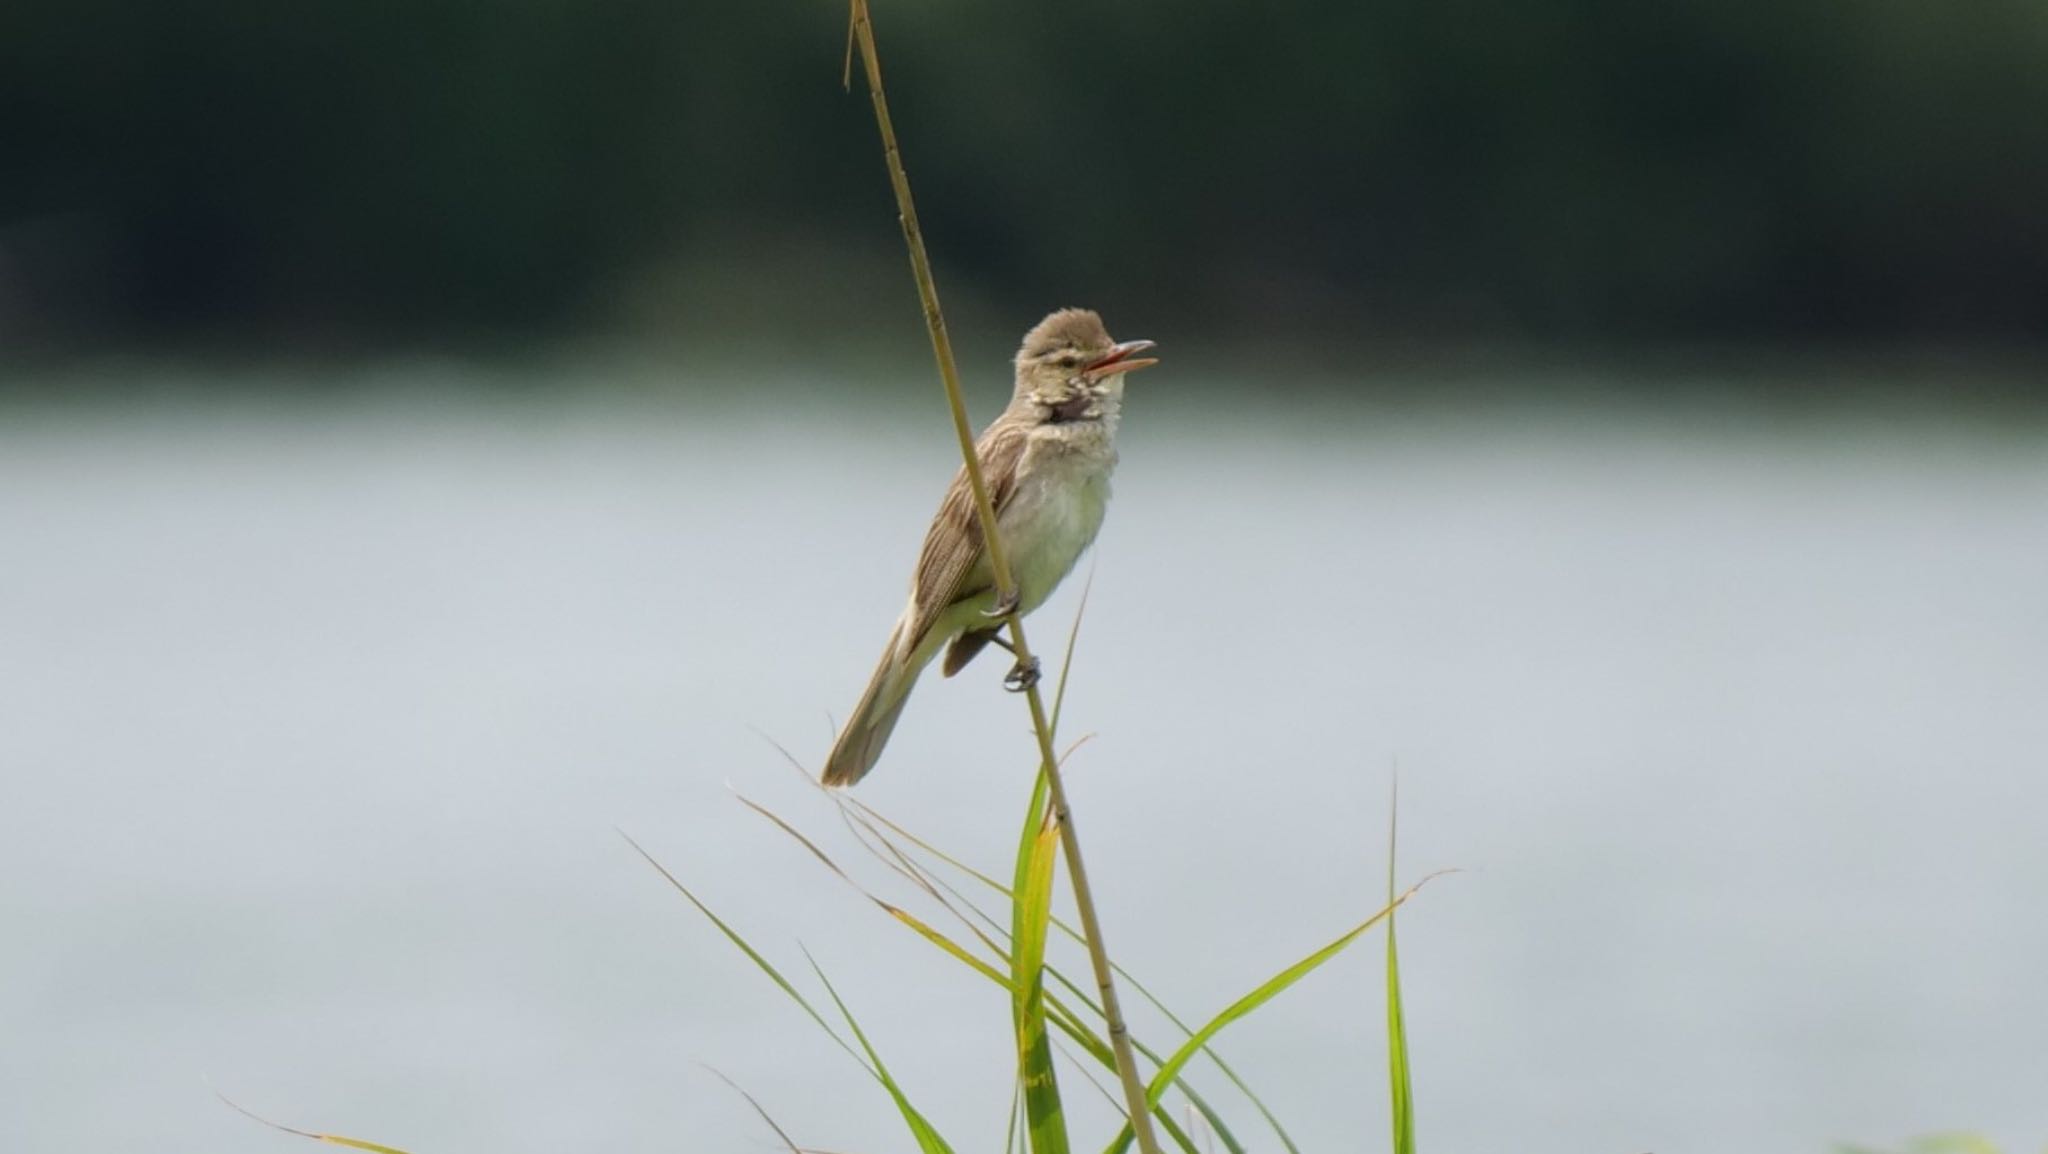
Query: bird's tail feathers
point(867, 729)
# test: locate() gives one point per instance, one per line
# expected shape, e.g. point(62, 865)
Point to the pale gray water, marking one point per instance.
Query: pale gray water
point(318, 718)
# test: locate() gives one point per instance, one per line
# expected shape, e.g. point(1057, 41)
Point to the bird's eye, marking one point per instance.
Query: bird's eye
point(1068, 360)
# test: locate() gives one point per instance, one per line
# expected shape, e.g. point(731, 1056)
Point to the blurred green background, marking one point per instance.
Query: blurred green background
point(348, 177)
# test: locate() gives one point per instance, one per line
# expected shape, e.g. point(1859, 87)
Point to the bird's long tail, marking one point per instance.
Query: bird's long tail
point(867, 729)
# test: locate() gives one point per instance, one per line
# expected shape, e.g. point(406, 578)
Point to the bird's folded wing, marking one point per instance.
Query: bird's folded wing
point(953, 546)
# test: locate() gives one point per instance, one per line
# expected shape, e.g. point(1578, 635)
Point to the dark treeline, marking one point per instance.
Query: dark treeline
point(372, 170)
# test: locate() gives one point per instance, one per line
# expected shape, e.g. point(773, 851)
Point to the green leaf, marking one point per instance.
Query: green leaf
point(733, 936)
point(1398, 1088)
point(330, 1139)
point(1071, 1025)
point(863, 817)
point(1216, 1123)
point(928, 1139)
point(877, 832)
point(1265, 992)
point(902, 915)
point(1030, 914)
point(1059, 696)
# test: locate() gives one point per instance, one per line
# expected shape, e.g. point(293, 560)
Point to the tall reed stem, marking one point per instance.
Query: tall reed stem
point(862, 32)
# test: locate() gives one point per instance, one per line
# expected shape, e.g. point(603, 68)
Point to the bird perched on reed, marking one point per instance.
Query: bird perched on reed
point(1046, 463)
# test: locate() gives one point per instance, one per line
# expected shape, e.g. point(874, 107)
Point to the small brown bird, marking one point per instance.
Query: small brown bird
point(1046, 462)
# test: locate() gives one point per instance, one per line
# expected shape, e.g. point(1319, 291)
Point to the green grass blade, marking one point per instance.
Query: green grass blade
point(953, 948)
point(1170, 1128)
point(1035, 821)
point(908, 868)
point(753, 954)
point(1954, 1142)
point(1398, 1086)
point(1095, 1047)
point(1058, 1013)
point(1264, 993)
point(1164, 1117)
point(1173, 1129)
point(1223, 1132)
point(863, 818)
point(1059, 695)
point(1071, 1025)
point(1029, 915)
point(1013, 1132)
point(960, 953)
point(928, 1139)
point(919, 926)
point(1101, 1088)
point(787, 1141)
point(330, 1139)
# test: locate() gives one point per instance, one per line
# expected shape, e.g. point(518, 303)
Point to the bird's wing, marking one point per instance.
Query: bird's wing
point(950, 562)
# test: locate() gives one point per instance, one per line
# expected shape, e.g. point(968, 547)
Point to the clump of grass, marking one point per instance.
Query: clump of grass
point(1010, 953)
point(966, 922)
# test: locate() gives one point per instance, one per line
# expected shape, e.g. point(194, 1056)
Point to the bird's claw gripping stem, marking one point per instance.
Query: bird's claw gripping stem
point(1005, 605)
point(1021, 676)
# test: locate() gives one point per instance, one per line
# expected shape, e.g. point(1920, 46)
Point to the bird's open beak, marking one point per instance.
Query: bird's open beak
point(1122, 359)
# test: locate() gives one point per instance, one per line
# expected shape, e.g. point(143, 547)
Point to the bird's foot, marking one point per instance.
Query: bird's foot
point(1021, 676)
point(1004, 606)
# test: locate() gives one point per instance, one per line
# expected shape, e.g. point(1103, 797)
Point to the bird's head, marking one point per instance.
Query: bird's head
point(1069, 365)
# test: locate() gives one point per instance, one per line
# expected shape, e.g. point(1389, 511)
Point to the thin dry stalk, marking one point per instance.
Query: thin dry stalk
point(863, 35)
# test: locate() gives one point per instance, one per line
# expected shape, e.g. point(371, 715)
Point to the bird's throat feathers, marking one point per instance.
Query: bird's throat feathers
point(1082, 406)
point(1081, 402)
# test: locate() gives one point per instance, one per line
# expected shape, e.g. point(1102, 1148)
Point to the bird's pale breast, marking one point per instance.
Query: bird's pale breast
point(1061, 496)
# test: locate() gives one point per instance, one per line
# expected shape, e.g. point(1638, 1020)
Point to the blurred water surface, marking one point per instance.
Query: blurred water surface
point(318, 718)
